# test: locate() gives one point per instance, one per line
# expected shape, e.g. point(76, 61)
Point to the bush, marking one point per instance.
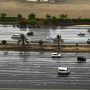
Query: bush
point(3, 15)
point(19, 16)
point(54, 20)
point(33, 22)
point(40, 42)
point(31, 16)
point(4, 42)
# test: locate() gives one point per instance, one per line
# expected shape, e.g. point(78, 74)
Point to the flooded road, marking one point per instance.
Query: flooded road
point(39, 70)
point(69, 34)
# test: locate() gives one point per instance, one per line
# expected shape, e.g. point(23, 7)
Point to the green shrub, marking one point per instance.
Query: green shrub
point(40, 42)
point(3, 15)
point(33, 22)
point(31, 16)
point(4, 42)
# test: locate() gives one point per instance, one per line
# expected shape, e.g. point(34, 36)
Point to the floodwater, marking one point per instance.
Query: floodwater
point(68, 34)
point(39, 70)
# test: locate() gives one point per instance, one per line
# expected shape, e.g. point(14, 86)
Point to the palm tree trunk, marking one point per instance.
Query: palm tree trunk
point(58, 44)
point(23, 43)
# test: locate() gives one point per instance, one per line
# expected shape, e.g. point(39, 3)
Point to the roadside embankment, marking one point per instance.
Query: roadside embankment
point(46, 47)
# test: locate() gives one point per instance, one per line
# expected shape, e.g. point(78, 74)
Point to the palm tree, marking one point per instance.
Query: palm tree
point(59, 40)
point(22, 39)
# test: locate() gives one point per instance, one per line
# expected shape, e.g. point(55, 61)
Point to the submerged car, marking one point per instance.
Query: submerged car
point(56, 55)
point(63, 71)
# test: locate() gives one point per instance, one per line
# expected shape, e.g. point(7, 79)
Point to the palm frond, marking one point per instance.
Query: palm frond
point(19, 41)
point(22, 39)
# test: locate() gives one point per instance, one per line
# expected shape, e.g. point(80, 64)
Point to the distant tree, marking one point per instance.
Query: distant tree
point(32, 22)
point(63, 16)
point(47, 20)
point(3, 15)
point(23, 22)
point(31, 16)
point(48, 17)
point(38, 0)
point(19, 16)
point(54, 20)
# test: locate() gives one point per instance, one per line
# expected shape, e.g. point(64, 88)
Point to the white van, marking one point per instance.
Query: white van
point(63, 71)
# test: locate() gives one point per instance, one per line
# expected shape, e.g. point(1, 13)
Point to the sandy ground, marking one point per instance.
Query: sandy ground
point(73, 10)
point(45, 47)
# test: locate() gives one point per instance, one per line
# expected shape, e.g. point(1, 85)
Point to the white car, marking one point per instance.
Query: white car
point(16, 36)
point(63, 71)
point(81, 34)
point(56, 55)
point(49, 38)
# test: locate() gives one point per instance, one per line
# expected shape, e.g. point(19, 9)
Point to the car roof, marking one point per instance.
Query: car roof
point(62, 68)
point(16, 34)
point(54, 53)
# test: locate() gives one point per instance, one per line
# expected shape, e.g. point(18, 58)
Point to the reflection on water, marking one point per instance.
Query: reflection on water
point(5, 52)
point(41, 52)
point(12, 60)
point(22, 29)
point(24, 56)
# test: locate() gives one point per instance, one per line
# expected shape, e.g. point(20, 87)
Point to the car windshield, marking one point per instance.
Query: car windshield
point(62, 70)
point(55, 54)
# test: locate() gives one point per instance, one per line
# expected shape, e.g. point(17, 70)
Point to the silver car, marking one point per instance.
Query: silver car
point(56, 55)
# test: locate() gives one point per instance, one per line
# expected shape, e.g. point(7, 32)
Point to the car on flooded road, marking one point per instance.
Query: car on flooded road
point(63, 71)
point(56, 55)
